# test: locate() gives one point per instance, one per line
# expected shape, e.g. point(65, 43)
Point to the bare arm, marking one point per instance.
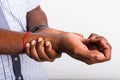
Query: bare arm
point(11, 42)
point(71, 43)
point(14, 40)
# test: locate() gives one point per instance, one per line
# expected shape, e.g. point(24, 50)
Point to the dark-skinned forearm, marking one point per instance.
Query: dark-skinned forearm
point(11, 42)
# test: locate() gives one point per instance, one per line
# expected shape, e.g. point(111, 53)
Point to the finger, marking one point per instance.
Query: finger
point(98, 42)
point(34, 54)
point(92, 58)
point(99, 39)
point(28, 49)
point(104, 45)
point(93, 35)
point(100, 58)
point(97, 57)
point(107, 51)
point(41, 50)
point(51, 52)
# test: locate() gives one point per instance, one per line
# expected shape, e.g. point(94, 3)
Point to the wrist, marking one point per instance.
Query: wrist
point(52, 35)
point(49, 34)
point(66, 46)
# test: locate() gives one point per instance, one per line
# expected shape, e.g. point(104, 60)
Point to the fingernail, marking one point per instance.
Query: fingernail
point(47, 43)
point(39, 39)
point(27, 45)
point(33, 42)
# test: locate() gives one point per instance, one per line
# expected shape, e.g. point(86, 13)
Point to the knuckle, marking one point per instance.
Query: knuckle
point(92, 56)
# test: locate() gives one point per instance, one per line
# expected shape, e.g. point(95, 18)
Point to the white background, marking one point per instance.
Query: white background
point(85, 16)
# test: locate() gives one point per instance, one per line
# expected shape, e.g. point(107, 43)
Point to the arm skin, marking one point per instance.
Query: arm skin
point(38, 17)
point(14, 43)
point(34, 18)
point(72, 43)
point(11, 42)
point(90, 51)
point(14, 40)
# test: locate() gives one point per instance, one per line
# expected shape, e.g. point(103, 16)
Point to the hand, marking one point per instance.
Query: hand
point(101, 45)
point(78, 47)
point(81, 49)
point(41, 51)
point(52, 35)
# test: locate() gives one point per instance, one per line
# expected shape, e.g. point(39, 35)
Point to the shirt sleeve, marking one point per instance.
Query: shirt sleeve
point(33, 4)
